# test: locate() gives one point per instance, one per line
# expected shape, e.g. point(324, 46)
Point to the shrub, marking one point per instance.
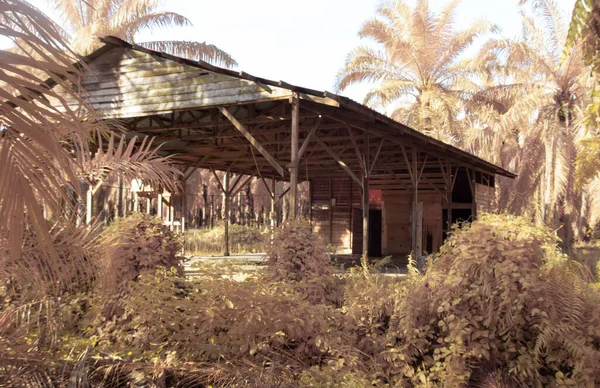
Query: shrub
point(498, 306)
point(246, 323)
point(298, 254)
point(368, 306)
point(498, 293)
point(72, 267)
point(136, 244)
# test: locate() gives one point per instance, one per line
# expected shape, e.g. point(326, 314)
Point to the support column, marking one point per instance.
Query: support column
point(365, 195)
point(88, 205)
point(136, 202)
point(172, 212)
point(449, 189)
point(159, 206)
point(272, 214)
point(120, 198)
point(148, 205)
point(227, 199)
point(183, 209)
point(331, 210)
point(294, 158)
point(416, 236)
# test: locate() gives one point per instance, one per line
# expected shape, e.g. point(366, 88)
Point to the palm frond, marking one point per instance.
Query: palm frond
point(129, 160)
point(193, 50)
point(150, 21)
point(34, 133)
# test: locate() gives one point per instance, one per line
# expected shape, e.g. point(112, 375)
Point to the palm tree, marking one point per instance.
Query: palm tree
point(87, 20)
point(543, 100)
point(418, 61)
point(45, 154)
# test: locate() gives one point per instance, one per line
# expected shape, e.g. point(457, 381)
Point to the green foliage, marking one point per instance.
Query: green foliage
point(588, 161)
point(298, 254)
point(583, 27)
point(299, 258)
point(498, 306)
point(133, 245)
point(242, 239)
point(498, 292)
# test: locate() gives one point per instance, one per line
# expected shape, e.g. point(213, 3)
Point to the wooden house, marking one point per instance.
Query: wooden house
point(375, 185)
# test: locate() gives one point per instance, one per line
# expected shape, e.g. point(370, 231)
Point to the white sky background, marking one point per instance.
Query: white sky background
point(303, 42)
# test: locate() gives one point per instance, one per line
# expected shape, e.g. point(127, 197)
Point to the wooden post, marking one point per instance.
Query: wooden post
point(272, 214)
point(136, 202)
point(365, 195)
point(471, 178)
point(449, 189)
point(331, 206)
point(148, 205)
point(416, 237)
point(294, 158)
point(171, 217)
point(227, 199)
point(88, 205)
point(120, 197)
point(183, 208)
point(212, 211)
point(159, 206)
point(419, 231)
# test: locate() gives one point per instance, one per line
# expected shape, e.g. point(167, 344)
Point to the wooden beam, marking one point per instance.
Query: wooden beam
point(188, 173)
point(227, 211)
point(240, 127)
point(234, 185)
point(408, 166)
point(340, 162)
point(307, 140)
point(377, 155)
point(365, 195)
point(283, 193)
point(240, 187)
point(271, 194)
point(416, 236)
point(471, 179)
point(355, 145)
point(294, 157)
point(218, 180)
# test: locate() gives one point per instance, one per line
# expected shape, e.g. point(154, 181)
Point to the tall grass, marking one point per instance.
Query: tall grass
point(242, 239)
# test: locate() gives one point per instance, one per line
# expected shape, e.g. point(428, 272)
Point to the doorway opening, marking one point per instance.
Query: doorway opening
point(375, 231)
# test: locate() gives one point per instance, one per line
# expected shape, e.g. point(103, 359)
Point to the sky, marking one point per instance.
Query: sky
point(303, 42)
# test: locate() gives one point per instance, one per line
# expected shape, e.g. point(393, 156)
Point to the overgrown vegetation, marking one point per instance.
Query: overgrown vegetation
point(242, 239)
point(499, 303)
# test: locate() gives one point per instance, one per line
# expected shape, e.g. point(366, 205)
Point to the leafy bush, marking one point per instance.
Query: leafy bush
point(298, 254)
point(498, 306)
point(242, 239)
point(498, 293)
point(71, 267)
point(134, 245)
point(298, 257)
point(247, 323)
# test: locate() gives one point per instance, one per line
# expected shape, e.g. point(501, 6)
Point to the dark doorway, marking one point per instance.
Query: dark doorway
point(458, 215)
point(375, 232)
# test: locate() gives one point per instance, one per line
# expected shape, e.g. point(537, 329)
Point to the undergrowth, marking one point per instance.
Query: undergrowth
point(498, 306)
point(242, 239)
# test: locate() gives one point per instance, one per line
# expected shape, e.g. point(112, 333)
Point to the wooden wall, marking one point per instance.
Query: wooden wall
point(341, 224)
point(397, 209)
point(484, 197)
point(334, 222)
point(127, 83)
